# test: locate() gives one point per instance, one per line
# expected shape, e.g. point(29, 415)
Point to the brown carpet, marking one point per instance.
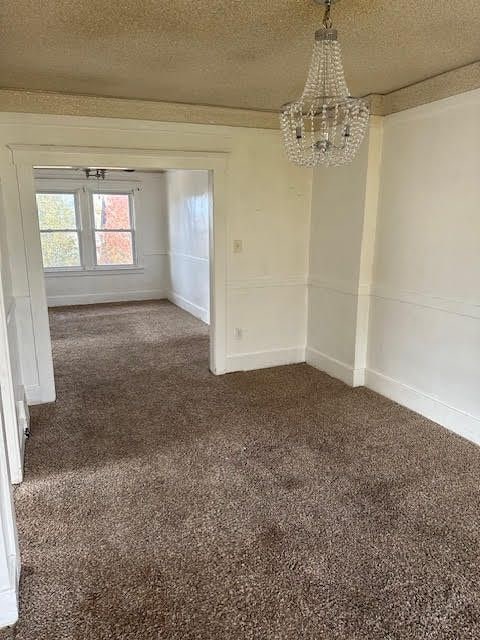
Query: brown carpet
point(163, 502)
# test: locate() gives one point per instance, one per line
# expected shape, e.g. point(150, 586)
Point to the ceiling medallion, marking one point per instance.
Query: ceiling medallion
point(325, 126)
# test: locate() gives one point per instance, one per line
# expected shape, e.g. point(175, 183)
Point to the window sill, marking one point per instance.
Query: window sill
point(96, 271)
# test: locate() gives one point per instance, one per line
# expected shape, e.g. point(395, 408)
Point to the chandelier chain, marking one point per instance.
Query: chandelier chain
point(327, 20)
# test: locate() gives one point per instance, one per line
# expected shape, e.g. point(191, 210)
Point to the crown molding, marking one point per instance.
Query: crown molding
point(375, 101)
point(45, 102)
point(444, 85)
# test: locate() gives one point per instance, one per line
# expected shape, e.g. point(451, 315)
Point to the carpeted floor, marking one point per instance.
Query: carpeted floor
point(163, 502)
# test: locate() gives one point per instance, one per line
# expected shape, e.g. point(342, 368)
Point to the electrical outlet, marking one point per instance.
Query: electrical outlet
point(237, 246)
point(238, 333)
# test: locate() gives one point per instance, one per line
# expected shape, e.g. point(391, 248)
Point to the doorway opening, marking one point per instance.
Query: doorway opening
point(136, 242)
point(36, 357)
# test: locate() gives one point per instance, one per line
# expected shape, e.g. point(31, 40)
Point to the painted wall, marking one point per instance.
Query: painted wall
point(425, 308)
point(15, 413)
point(338, 197)
point(188, 213)
point(148, 280)
point(9, 552)
point(395, 264)
point(344, 210)
point(10, 450)
point(267, 206)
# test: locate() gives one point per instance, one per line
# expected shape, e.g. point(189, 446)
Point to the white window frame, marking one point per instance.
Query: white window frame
point(131, 210)
point(78, 230)
point(84, 190)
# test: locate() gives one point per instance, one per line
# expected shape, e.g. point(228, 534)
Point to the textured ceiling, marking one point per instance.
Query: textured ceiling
point(238, 53)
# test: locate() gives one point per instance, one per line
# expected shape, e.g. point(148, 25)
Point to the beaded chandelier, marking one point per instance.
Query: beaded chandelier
point(325, 126)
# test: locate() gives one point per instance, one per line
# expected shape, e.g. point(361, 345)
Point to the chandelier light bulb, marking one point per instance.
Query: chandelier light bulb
point(325, 126)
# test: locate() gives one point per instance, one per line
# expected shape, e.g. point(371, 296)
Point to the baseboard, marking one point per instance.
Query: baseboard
point(186, 305)
point(17, 477)
point(23, 414)
point(33, 394)
point(335, 368)
point(98, 298)
point(36, 395)
point(23, 422)
point(9, 597)
point(8, 608)
point(456, 420)
point(265, 359)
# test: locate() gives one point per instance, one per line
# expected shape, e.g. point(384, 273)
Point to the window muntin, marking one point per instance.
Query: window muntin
point(113, 229)
point(59, 230)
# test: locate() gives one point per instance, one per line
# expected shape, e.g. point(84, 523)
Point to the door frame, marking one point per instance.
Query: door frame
point(27, 157)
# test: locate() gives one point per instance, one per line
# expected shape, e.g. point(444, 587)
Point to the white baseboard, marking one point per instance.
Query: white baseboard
point(8, 608)
point(17, 477)
point(456, 420)
point(36, 395)
point(335, 368)
point(265, 359)
point(186, 305)
point(23, 414)
point(9, 597)
point(33, 394)
point(98, 298)
point(23, 423)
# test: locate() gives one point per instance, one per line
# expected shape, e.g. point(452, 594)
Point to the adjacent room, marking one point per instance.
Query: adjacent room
point(239, 320)
point(119, 236)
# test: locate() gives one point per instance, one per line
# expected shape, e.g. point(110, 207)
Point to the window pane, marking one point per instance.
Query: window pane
point(112, 211)
point(60, 249)
point(114, 247)
point(56, 210)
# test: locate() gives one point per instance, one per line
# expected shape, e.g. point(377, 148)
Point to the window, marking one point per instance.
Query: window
point(113, 229)
point(59, 230)
point(86, 230)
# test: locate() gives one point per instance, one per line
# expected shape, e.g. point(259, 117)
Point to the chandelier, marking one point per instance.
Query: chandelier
point(325, 126)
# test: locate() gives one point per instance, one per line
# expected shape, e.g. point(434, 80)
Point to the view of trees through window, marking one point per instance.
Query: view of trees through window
point(110, 242)
point(113, 234)
point(58, 230)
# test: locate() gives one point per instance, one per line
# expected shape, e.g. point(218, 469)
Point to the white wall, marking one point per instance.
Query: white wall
point(336, 228)
point(267, 206)
point(344, 210)
point(11, 441)
point(424, 347)
point(148, 280)
point(15, 412)
point(9, 552)
point(394, 297)
point(189, 203)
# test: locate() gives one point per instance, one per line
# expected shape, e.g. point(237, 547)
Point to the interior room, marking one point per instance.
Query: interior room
point(121, 247)
point(239, 320)
point(118, 235)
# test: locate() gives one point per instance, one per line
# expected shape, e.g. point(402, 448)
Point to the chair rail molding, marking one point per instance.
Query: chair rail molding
point(262, 282)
